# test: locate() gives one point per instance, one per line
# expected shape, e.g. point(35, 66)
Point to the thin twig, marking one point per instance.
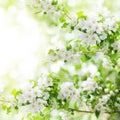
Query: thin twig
point(4, 101)
point(82, 111)
point(86, 111)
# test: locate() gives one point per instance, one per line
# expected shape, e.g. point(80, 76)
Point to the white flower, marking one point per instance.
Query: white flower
point(118, 61)
point(45, 82)
point(67, 90)
point(64, 116)
point(103, 36)
point(36, 106)
point(100, 107)
point(36, 91)
point(116, 45)
point(104, 12)
point(117, 105)
point(88, 25)
point(106, 90)
point(93, 39)
point(84, 37)
point(93, 17)
point(75, 45)
point(89, 84)
point(89, 39)
point(46, 95)
point(73, 19)
point(72, 35)
point(65, 55)
point(52, 57)
point(25, 97)
point(76, 58)
point(105, 48)
point(106, 63)
point(93, 26)
point(34, 3)
point(104, 99)
point(113, 26)
point(46, 2)
point(110, 24)
point(80, 24)
point(112, 93)
point(50, 9)
point(98, 28)
point(89, 68)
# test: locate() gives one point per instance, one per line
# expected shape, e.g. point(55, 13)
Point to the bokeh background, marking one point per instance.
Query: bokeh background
point(24, 41)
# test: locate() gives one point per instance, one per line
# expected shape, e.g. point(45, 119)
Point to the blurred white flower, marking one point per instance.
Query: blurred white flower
point(45, 82)
point(106, 63)
point(36, 106)
point(64, 116)
point(116, 45)
point(89, 84)
point(67, 91)
point(89, 68)
point(102, 101)
point(46, 95)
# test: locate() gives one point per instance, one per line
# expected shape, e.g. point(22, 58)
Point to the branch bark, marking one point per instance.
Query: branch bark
point(86, 111)
point(4, 101)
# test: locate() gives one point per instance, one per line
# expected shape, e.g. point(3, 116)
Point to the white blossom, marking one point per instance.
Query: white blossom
point(89, 84)
point(67, 91)
point(27, 95)
point(102, 101)
point(118, 62)
point(45, 82)
point(103, 36)
point(116, 45)
point(106, 63)
point(36, 106)
point(46, 95)
point(89, 68)
point(64, 116)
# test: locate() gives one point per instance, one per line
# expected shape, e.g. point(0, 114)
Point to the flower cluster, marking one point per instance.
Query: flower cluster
point(49, 7)
point(95, 28)
point(89, 84)
point(63, 55)
point(68, 91)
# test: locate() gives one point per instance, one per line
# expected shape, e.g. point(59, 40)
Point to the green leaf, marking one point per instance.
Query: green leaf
point(65, 25)
point(76, 106)
point(72, 27)
point(97, 113)
point(66, 105)
point(62, 19)
point(51, 51)
point(81, 14)
point(6, 108)
point(54, 2)
point(76, 78)
point(78, 66)
point(15, 92)
point(16, 107)
point(68, 47)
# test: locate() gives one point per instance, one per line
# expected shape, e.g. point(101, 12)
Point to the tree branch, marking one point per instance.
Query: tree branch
point(86, 111)
point(4, 101)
